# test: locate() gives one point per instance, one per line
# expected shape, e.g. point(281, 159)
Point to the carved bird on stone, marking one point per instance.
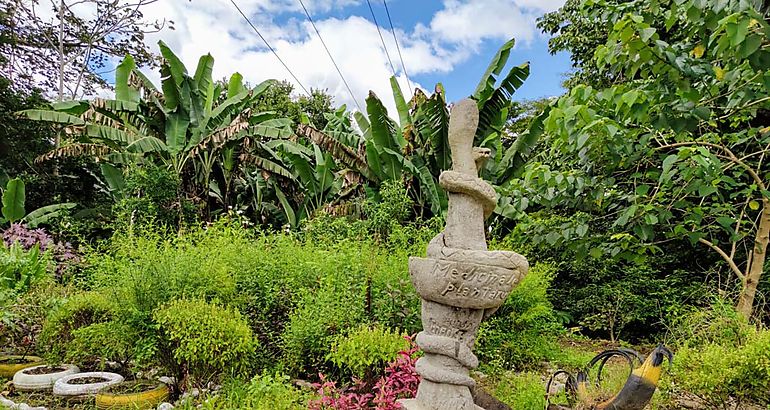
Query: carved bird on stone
point(636, 392)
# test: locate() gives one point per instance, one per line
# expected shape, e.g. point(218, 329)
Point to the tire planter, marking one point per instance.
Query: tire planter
point(7, 370)
point(27, 380)
point(68, 386)
point(149, 399)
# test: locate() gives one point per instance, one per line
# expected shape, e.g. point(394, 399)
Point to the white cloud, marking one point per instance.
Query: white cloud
point(449, 37)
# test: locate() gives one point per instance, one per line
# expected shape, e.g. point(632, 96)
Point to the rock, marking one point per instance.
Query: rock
point(9, 404)
point(303, 384)
point(167, 380)
point(486, 401)
point(165, 406)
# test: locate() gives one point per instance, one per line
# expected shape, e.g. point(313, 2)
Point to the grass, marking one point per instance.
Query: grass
point(46, 399)
point(526, 390)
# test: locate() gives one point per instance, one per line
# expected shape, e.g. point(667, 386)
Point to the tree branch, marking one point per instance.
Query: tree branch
point(725, 256)
point(730, 156)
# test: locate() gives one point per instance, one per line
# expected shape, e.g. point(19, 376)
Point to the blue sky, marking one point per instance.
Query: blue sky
point(547, 71)
point(447, 41)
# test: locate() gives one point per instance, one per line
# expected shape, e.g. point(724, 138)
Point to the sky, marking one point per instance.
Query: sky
point(447, 41)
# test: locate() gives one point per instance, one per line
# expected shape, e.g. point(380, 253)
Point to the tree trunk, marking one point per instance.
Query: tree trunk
point(754, 273)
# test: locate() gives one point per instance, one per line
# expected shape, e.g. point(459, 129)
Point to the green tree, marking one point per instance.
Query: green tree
point(674, 148)
point(66, 54)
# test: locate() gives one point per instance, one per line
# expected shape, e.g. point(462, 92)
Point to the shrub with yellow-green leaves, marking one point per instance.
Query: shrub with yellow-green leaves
point(203, 340)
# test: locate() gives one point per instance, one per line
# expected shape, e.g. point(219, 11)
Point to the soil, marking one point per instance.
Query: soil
point(132, 387)
point(87, 380)
point(45, 370)
point(16, 361)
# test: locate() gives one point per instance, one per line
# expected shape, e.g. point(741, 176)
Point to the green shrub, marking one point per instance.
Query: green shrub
point(366, 350)
point(720, 357)
point(21, 320)
point(329, 229)
point(336, 305)
point(151, 196)
point(79, 311)
point(720, 324)
point(392, 208)
point(143, 269)
point(19, 269)
point(721, 373)
point(267, 391)
point(522, 332)
point(101, 342)
point(205, 341)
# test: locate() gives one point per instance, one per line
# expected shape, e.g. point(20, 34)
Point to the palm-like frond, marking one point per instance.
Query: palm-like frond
point(76, 150)
point(494, 112)
point(338, 150)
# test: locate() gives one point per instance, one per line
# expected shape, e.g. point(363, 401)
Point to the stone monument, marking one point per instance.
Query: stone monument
point(460, 282)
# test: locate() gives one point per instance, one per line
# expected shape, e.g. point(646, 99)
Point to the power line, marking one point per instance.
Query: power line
point(271, 48)
point(330, 55)
point(381, 39)
point(392, 30)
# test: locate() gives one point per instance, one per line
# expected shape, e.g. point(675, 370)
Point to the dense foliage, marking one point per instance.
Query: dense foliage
point(239, 236)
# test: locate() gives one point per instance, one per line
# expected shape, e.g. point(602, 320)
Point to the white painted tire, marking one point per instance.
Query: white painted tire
point(24, 381)
point(63, 387)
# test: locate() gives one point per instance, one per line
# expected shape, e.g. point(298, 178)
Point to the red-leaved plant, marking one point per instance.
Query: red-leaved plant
point(399, 382)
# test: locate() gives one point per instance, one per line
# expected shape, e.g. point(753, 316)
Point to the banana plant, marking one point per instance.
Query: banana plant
point(415, 149)
point(183, 125)
point(13, 210)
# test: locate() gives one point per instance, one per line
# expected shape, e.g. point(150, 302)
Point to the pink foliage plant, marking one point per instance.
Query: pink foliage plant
point(400, 381)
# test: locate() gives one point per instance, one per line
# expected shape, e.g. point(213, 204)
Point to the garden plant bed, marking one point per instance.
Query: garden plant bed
point(134, 386)
point(142, 394)
point(11, 364)
point(45, 370)
point(87, 380)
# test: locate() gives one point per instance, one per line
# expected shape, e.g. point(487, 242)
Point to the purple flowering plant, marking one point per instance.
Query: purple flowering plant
point(62, 253)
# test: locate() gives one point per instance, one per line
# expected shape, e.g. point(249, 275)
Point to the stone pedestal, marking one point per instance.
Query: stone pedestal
point(460, 281)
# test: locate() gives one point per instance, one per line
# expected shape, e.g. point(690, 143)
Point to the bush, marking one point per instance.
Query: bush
point(336, 305)
point(22, 318)
point(143, 270)
point(266, 391)
point(151, 196)
point(112, 341)
point(328, 229)
point(365, 350)
point(79, 311)
point(522, 332)
point(205, 341)
point(19, 269)
point(721, 373)
point(720, 358)
point(392, 208)
point(720, 324)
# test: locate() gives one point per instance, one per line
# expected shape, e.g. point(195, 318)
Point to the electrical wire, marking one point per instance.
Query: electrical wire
point(271, 48)
point(392, 30)
point(329, 54)
point(384, 47)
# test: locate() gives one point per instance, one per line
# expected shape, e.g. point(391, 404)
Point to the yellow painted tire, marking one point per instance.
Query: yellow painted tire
point(144, 400)
point(7, 370)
